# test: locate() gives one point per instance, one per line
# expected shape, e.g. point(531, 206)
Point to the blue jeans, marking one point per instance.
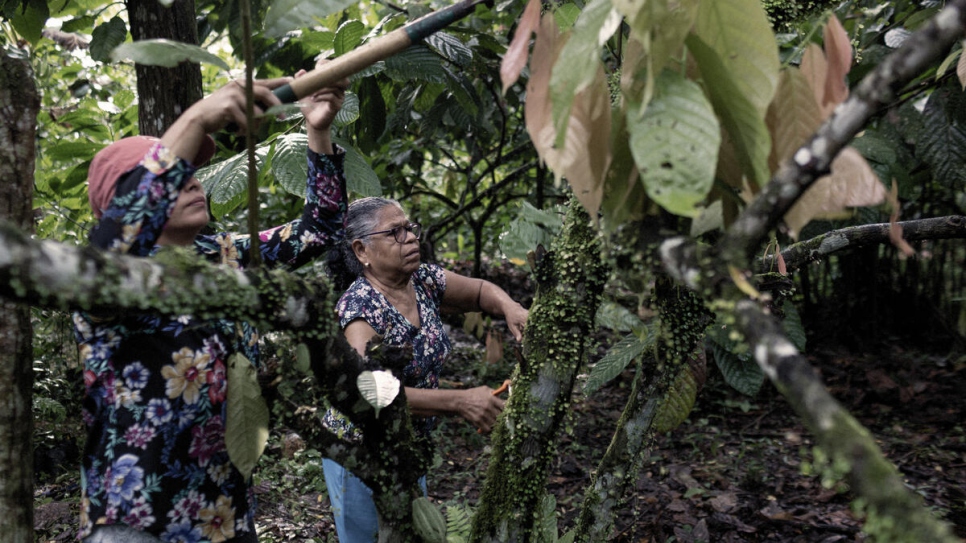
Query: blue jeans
point(353, 508)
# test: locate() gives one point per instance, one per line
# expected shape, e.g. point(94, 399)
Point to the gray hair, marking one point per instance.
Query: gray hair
point(361, 219)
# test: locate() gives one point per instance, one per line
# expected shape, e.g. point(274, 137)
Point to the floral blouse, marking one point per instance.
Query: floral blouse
point(155, 407)
point(430, 343)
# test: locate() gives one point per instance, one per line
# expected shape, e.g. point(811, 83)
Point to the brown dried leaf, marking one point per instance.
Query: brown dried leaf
point(838, 53)
point(587, 146)
point(515, 57)
point(961, 67)
point(852, 183)
point(585, 155)
point(793, 116)
point(815, 69)
point(494, 346)
point(895, 230)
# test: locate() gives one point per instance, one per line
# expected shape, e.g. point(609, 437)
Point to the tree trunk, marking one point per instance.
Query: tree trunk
point(662, 396)
point(19, 104)
point(570, 279)
point(164, 93)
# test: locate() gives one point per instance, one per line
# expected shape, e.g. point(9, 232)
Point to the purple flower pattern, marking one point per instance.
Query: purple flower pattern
point(429, 341)
point(155, 400)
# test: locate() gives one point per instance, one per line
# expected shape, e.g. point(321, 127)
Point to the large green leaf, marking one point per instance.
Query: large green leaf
point(348, 36)
point(675, 144)
point(618, 318)
point(739, 33)
point(246, 420)
point(739, 116)
point(676, 405)
point(360, 177)
point(29, 18)
point(226, 182)
point(942, 142)
point(287, 15)
point(737, 367)
point(530, 227)
point(579, 60)
point(450, 48)
point(165, 53)
point(618, 357)
point(416, 62)
point(289, 165)
point(106, 37)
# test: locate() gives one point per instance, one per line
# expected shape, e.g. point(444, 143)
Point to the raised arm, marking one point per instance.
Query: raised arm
point(135, 182)
point(464, 294)
point(321, 225)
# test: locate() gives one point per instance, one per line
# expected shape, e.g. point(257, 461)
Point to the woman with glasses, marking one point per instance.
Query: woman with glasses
point(392, 294)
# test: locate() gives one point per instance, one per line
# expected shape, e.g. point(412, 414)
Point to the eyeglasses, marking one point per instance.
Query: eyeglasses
point(400, 233)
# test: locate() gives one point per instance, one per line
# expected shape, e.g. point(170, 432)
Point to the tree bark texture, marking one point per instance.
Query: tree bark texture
point(557, 341)
point(164, 93)
point(665, 388)
point(19, 104)
point(893, 512)
point(854, 237)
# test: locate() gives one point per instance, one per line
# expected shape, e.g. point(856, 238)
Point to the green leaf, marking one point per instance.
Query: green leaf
point(792, 324)
point(677, 403)
point(942, 142)
point(106, 37)
point(29, 19)
point(618, 357)
point(70, 150)
point(738, 114)
point(349, 112)
point(416, 62)
point(246, 420)
point(289, 165)
point(348, 36)
point(675, 144)
point(360, 177)
point(579, 60)
point(618, 318)
point(165, 53)
point(547, 527)
point(450, 48)
point(739, 33)
point(531, 227)
point(566, 15)
point(226, 182)
point(737, 367)
point(286, 15)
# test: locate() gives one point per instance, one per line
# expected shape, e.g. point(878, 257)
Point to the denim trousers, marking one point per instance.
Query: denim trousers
point(353, 508)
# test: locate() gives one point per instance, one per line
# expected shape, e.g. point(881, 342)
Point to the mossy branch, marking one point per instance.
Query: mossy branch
point(854, 237)
point(893, 512)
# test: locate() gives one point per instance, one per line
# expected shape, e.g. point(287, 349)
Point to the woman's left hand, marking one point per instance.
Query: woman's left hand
point(480, 407)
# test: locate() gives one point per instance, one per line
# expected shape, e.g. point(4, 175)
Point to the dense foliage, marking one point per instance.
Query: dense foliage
point(675, 114)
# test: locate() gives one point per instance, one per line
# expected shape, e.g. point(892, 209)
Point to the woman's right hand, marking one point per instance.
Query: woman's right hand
point(480, 407)
point(216, 111)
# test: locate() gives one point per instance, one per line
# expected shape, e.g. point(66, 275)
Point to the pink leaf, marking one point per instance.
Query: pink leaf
point(516, 54)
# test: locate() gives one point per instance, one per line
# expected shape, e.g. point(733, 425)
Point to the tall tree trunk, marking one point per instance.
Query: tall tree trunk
point(514, 504)
point(19, 104)
point(164, 93)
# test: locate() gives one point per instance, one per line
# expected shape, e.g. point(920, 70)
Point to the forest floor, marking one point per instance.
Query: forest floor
point(738, 469)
